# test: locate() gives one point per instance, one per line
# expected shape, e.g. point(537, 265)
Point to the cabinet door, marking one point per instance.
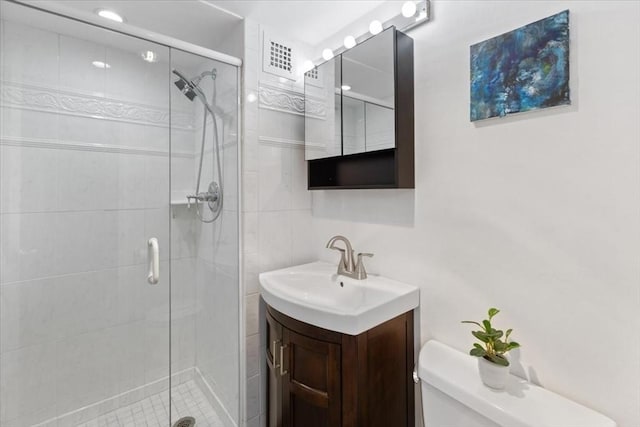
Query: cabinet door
point(323, 111)
point(274, 379)
point(368, 95)
point(311, 387)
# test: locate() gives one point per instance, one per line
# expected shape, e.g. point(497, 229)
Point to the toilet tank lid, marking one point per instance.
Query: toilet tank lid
point(520, 404)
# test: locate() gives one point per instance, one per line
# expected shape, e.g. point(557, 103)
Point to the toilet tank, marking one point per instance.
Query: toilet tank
point(453, 396)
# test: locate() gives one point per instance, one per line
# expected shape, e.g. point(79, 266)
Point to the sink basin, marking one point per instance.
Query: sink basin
point(313, 293)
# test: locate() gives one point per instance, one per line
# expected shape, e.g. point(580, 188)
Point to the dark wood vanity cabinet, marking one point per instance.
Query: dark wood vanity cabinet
point(322, 378)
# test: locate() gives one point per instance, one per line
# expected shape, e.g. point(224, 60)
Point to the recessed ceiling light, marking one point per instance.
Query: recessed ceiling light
point(252, 97)
point(349, 42)
point(109, 14)
point(409, 9)
point(346, 87)
point(327, 54)
point(375, 27)
point(149, 56)
point(100, 64)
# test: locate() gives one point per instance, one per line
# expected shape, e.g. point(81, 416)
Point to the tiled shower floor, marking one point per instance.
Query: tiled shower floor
point(186, 400)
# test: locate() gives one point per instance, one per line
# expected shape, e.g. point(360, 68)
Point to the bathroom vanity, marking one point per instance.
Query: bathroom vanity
point(324, 378)
point(339, 351)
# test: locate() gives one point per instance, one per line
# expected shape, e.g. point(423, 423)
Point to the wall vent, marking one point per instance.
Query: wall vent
point(314, 77)
point(279, 57)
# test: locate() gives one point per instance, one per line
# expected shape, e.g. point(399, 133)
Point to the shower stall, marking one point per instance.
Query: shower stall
point(119, 227)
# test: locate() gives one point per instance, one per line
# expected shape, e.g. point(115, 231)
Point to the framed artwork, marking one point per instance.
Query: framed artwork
point(524, 69)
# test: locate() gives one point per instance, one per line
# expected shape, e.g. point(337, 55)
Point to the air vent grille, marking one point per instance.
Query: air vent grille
point(279, 57)
point(312, 74)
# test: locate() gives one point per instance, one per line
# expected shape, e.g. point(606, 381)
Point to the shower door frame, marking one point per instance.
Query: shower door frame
point(173, 43)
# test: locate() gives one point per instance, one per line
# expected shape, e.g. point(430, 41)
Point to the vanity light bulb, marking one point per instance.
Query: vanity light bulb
point(307, 66)
point(327, 54)
point(375, 27)
point(349, 42)
point(409, 9)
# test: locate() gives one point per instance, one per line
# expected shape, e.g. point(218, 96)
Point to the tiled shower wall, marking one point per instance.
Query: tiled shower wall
point(276, 204)
point(216, 328)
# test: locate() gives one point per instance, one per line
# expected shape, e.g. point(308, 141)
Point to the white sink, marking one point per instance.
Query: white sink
point(315, 294)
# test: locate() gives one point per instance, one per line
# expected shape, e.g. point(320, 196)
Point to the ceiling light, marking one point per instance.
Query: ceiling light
point(109, 14)
point(346, 87)
point(149, 56)
point(307, 66)
point(327, 54)
point(375, 27)
point(409, 9)
point(100, 64)
point(349, 42)
point(252, 97)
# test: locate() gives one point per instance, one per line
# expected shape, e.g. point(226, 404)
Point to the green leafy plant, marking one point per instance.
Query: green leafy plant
point(493, 346)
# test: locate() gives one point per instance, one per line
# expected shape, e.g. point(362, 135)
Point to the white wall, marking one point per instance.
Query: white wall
point(535, 214)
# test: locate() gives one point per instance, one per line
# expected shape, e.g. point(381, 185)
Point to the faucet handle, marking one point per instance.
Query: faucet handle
point(361, 273)
point(342, 263)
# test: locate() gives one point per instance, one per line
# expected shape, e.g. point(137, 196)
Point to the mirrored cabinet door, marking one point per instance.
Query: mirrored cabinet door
point(353, 126)
point(379, 127)
point(368, 95)
point(323, 111)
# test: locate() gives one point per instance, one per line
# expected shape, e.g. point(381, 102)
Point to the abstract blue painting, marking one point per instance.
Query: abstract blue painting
point(524, 69)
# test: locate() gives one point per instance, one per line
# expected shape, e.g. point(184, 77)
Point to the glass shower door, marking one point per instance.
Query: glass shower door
point(84, 187)
point(205, 299)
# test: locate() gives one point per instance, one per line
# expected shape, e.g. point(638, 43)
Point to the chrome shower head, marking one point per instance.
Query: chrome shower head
point(185, 85)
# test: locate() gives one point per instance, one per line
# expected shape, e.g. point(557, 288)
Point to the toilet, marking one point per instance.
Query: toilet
point(453, 396)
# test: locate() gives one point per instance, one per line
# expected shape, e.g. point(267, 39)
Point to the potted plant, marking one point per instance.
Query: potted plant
point(492, 363)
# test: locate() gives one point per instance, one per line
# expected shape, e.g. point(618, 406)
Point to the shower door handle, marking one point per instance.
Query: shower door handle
point(154, 261)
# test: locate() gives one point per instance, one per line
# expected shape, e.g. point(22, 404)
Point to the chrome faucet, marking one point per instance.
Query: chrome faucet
point(346, 265)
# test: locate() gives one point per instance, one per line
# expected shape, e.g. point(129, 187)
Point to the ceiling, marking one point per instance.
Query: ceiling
point(310, 21)
point(209, 22)
point(193, 21)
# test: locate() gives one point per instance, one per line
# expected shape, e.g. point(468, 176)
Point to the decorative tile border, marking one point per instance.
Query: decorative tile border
point(290, 101)
point(47, 99)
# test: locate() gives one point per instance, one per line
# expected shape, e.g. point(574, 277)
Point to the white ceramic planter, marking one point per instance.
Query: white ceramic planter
point(492, 375)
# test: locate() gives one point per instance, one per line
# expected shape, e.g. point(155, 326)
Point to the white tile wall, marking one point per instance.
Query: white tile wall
point(78, 321)
point(216, 251)
point(276, 204)
point(84, 183)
